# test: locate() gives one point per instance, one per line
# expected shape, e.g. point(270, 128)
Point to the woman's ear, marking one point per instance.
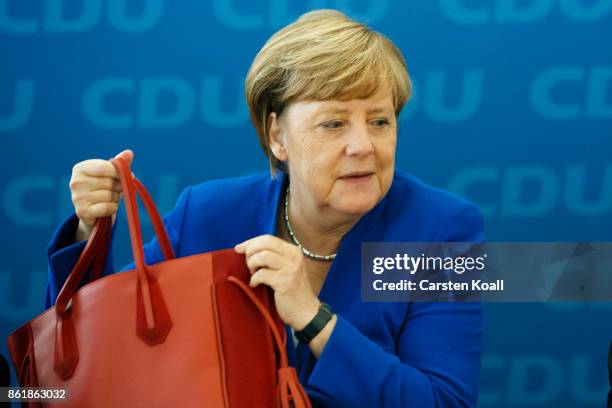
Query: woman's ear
point(276, 137)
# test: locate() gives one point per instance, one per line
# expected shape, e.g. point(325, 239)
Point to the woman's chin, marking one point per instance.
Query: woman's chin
point(358, 203)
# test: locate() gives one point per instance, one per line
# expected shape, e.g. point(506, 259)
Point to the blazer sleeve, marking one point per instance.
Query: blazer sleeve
point(62, 253)
point(437, 363)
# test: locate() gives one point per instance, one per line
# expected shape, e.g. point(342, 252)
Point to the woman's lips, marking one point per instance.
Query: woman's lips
point(364, 178)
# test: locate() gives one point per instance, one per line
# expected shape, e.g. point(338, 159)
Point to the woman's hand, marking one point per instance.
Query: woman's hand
point(280, 265)
point(95, 191)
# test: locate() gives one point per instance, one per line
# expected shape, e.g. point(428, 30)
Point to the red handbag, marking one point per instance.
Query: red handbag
point(186, 332)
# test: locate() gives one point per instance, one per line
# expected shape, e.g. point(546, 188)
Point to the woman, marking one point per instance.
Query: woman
point(324, 94)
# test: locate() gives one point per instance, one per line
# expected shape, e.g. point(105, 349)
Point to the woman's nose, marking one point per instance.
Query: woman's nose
point(360, 143)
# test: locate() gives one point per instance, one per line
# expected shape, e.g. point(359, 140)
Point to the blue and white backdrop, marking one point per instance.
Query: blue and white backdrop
point(513, 109)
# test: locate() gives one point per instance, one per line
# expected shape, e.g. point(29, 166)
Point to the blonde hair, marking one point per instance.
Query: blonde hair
point(322, 55)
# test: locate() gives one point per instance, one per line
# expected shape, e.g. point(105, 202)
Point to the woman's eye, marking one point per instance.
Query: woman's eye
point(380, 122)
point(334, 124)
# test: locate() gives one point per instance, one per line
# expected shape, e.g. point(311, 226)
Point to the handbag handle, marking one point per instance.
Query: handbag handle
point(158, 226)
point(97, 251)
point(289, 391)
point(153, 321)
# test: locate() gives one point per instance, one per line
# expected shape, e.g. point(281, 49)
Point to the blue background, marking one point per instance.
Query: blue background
point(512, 109)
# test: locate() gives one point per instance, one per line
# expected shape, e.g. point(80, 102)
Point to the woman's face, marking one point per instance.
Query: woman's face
point(341, 154)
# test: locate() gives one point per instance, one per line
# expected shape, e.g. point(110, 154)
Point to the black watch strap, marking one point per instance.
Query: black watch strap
point(317, 324)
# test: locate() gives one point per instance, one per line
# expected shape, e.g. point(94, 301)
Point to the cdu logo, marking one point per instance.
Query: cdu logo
point(445, 97)
point(20, 207)
point(535, 190)
point(67, 17)
point(590, 100)
point(20, 109)
point(277, 13)
point(567, 378)
point(17, 200)
point(162, 102)
point(523, 11)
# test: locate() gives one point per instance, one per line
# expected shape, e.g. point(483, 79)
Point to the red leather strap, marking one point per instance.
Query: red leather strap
point(158, 225)
point(97, 246)
point(66, 351)
point(156, 220)
point(153, 319)
point(289, 391)
point(100, 233)
point(100, 257)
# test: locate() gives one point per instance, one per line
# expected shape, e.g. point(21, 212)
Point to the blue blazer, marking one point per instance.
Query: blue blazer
point(379, 354)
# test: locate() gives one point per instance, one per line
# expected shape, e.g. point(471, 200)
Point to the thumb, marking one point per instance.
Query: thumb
point(127, 155)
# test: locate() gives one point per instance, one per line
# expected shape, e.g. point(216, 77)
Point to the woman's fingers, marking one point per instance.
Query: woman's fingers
point(264, 259)
point(128, 155)
point(96, 168)
point(96, 190)
point(264, 276)
point(273, 262)
point(100, 196)
point(96, 196)
point(89, 214)
point(280, 265)
point(260, 243)
point(88, 183)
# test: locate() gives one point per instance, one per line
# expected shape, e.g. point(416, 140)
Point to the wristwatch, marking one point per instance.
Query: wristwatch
point(317, 324)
